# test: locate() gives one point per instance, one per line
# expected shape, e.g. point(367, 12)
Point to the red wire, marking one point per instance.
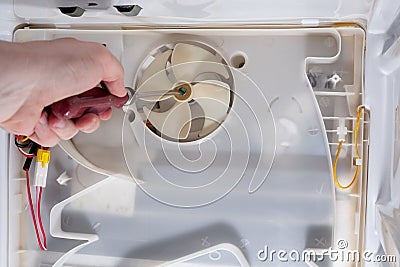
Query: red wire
point(28, 189)
point(40, 217)
point(37, 208)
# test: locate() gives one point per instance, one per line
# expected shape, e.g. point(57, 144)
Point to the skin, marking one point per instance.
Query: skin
point(34, 75)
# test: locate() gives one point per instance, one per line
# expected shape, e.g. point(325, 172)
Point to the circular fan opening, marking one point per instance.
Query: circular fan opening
point(184, 91)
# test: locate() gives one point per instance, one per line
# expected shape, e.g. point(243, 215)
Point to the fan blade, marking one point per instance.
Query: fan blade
point(175, 122)
point(155, 79)
point(201, 58)
point(214, 98)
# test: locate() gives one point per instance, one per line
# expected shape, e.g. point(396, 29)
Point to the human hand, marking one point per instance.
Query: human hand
point(36, 74)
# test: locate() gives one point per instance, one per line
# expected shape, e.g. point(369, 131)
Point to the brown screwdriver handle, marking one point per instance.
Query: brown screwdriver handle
point(96, 100)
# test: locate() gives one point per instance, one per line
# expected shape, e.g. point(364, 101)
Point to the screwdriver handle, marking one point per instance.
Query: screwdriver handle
point(96, 100)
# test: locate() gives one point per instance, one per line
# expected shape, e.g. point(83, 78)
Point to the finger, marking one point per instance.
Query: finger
point(106, 115)
point(25, 118)
point(113, 73)
point(43, 135)
point(88, 123)
point(116, 87)
point(63, 128)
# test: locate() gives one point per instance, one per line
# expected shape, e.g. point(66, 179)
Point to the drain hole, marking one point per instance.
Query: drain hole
point(92, 4)
point(238, 60)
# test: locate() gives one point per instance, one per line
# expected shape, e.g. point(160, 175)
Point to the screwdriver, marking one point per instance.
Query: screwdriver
point(98, 100)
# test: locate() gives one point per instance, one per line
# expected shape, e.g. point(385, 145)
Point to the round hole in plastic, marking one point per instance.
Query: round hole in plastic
point(200, 74)
point(238, 60)
point(131, 116)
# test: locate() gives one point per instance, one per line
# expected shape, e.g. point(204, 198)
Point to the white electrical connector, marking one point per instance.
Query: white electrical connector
point(341, 130)
point(357, 162)
point(41, 167)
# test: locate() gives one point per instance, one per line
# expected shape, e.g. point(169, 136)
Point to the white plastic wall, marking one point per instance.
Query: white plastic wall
point(7, 24)
point(3, 198)
point(382, 89)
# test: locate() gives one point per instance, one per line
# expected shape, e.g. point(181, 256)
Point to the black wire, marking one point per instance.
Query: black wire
point(33, 150)
point(26, 144)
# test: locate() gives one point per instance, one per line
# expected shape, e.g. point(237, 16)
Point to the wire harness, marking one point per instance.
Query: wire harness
point(43, 158)
point(357, 157)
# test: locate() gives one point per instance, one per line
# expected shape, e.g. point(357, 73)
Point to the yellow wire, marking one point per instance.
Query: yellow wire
point(355, 143)
point(23, 140)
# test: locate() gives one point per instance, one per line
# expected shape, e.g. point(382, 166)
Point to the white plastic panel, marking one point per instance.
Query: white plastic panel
point(381, 90)
point(301, 176)
point(254, 9)
point(198, 12)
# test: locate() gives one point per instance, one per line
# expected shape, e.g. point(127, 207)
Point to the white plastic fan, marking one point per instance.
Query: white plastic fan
point(199, 77)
